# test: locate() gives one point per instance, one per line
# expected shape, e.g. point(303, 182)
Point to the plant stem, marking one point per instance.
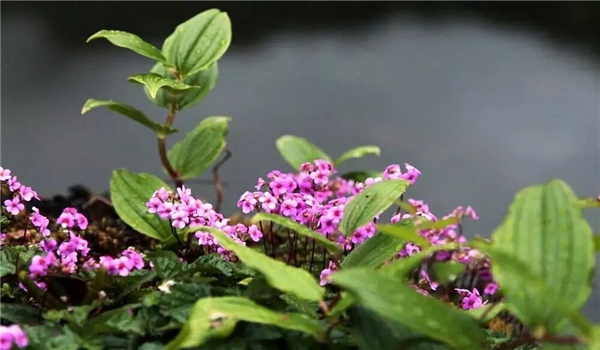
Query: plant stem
point(162, 146)
point(217, 180)
point(312, 256)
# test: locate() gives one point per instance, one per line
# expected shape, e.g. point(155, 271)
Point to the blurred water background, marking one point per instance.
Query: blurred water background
point(484, 99)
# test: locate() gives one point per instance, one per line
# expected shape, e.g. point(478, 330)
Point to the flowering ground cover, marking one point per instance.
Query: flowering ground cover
point(318, 259)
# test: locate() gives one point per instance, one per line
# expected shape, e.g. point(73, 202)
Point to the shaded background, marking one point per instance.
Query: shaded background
point(483, 98)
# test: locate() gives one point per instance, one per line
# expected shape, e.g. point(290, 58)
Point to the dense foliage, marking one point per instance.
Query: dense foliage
point(328, 260)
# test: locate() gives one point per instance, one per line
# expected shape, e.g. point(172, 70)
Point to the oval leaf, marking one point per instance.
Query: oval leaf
point(301, 229)
point(374, 251)
point(200, 147)
point(131, 42)
point(371, 201)
point(546, 231)
point(358, 152)
point(406, 232)
point(128, 112)
point(154, 82)
point(212, 318)
point(297, 151)
point(391, 298)
point(295, 281)
point(129, 193)
point(206, 79)
point(198, 42)
point(528, 296)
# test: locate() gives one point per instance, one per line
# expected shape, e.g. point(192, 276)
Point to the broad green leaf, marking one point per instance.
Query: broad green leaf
point(119, 320)
point(361, 175)
point(20, 313)
point(129, 193)
point(182, 296)
point(529, 297)
point(198, 42)
point(130, 113)
point(546, 231)
point(213, 318)
point(358, 152)
point(297, 151)
point(295, 281)
point(131, 42)
point(206, 79)
point(374, 251)
point(391, 298)
point(200, 147)
point(372, 331)
point(373, 200)
point(301, 229)
point(166, 264)
point(154, 82)
point(136, 284)
point(100, 281)
point(407, 233)
point(7, 262)
point(448, 271)
point(303, 306)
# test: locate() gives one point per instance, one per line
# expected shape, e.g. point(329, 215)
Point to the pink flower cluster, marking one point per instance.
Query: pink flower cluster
point(20, 193)
point(471, 300)
point(315, 198)
point(183, 210)
point(12, 335)
point(70, 218)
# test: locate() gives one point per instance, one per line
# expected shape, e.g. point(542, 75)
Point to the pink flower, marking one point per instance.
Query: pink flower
point(260, 183)
point(319, 178)
point(82, 221)
point(39, 264)
point(40, 221)
point(392, 172)
point(136, 258)
point(11, 334)
point(471, 212)
point(411, 174)
point(335, 213)
point(13, 184)
point(27, 193)
point(14, 206)
point(491, 288)
point(248, 202)
point(288, 208)
point(471, 300)
point(409, 249)
point(2, 238)
point(255, 233)
point(432, 285)
point(324, 276)
point(269, 202)
point(48, 245)
point(4, 174)
point(154, 204)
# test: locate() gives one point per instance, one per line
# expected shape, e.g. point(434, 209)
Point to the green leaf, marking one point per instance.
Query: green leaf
point(358, 152)
point(121, 320)
point(297, 151)
point(303, 306)
point(198, 42)
point(131, 42)
point(7, 262)
point(100, 281)
point(361, 175)
point(182, 296)
point(448, 271)
point(216, 317)
point(407, 233)
point(38, 294)
point(402, 268)
point(374, 251)
point(597, 243)
point(206, 79)
point(136, 284)
point(295, 281)
point(373, 200)
point(372, 331)
point(301, 229)
point(20, 313)
point(166, 264)
point(424, 224)
point(200, 147)
point(129, 193)
point(130, 113)
point(589, 202)
point(546, 231)
point(528, 296)
point(154, 82)
point(391, 298)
